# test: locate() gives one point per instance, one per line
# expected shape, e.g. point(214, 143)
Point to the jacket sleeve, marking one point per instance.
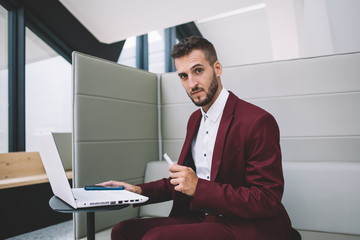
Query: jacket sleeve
point(157, 191)
point(259, 195)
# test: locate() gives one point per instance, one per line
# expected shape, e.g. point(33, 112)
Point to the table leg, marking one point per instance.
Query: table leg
point(90, 225)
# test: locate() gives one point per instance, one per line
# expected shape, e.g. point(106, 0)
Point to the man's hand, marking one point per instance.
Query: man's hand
point(184, 179)
point(129, 187)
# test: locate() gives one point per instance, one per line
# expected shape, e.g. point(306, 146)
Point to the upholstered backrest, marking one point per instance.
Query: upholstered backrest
point(316, 104)
point(115, 128)
point(154, 171)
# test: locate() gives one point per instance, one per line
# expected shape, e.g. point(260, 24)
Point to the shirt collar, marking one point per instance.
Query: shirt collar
point(217, 107)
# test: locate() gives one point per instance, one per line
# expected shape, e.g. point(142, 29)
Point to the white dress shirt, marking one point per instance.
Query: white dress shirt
point(203, 144)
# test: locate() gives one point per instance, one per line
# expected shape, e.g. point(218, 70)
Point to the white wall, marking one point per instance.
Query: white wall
point(344, 21)
point(240, 39)
point(3, 81)
point(48, 98)
point(285, 29)
point(4, 106)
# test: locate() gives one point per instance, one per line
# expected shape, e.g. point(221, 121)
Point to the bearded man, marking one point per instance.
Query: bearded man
point(228, 182)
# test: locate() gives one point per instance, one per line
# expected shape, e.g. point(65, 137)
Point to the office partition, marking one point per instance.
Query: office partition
point(115, 129)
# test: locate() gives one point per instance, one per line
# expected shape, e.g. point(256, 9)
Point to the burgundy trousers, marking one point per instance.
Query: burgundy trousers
point(172, 228)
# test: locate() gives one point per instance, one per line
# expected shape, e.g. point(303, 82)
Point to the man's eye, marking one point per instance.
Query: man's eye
point(198, 70)
point(182, 76)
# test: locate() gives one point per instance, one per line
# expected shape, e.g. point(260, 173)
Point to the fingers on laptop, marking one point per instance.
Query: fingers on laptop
point(129, 187)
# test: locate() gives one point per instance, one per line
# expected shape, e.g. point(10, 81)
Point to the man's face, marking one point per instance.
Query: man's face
point(200, 80)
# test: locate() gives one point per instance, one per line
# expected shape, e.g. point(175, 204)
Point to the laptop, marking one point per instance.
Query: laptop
point(77, 197)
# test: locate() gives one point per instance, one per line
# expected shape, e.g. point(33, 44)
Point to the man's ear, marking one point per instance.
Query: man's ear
point(218, 68)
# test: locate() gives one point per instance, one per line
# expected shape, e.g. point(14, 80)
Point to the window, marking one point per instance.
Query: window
point(4, 99)
point(128, 53)
point(156, 52)
point(48, 90)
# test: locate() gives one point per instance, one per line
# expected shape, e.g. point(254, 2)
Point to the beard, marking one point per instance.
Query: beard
point(214, 85)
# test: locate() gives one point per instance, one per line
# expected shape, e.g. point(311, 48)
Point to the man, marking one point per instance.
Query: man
point(228, 182)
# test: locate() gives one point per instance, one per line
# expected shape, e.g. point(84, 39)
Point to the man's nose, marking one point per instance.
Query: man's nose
point(192, 82)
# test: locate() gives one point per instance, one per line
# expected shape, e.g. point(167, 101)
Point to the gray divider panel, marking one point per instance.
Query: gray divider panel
point(316, 103)
point(115, 128)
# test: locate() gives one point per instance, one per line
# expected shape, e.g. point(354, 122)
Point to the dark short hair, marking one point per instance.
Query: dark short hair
point(187, 45)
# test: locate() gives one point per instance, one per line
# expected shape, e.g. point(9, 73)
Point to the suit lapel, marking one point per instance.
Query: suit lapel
point(225, 121)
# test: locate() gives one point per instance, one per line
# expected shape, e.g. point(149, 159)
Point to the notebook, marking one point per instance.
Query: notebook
point(77, 197)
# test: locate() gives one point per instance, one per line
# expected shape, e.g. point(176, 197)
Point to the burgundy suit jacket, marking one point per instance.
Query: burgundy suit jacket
point(246, 182)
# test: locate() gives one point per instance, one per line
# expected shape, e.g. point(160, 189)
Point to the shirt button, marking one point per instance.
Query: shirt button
point(207, 132)
point(208, 177)
point(204, 154)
